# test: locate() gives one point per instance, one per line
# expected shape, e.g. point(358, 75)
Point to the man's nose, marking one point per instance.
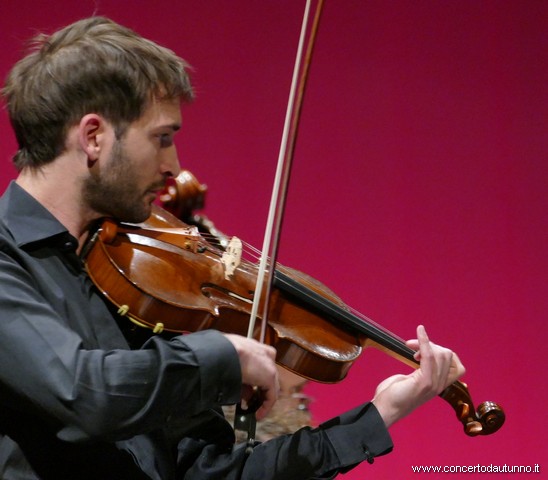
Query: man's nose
point(170, 162)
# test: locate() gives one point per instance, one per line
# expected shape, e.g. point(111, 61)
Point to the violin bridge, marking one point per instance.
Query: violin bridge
point(232, 256)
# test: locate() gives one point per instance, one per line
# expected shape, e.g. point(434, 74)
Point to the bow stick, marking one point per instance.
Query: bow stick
point(283, 170)
point(245, 419)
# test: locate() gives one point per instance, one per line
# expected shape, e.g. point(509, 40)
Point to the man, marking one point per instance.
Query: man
point(95, 108)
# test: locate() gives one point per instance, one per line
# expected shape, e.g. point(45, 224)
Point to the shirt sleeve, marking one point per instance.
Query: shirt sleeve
point(323, 452)
point(139, 391)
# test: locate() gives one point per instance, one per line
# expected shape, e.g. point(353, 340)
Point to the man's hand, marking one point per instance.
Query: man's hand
point(258, 369)
point(399, 395)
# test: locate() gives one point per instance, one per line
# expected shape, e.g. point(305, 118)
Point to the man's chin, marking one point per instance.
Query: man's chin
point(144, 215)
point(134, 216)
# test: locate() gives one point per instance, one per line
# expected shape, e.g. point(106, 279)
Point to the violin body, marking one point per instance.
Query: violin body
point(164, 275)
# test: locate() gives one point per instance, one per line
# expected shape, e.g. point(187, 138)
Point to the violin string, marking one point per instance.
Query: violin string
point(254, 254)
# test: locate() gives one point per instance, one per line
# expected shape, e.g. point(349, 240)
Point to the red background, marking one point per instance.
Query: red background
point(419, 185)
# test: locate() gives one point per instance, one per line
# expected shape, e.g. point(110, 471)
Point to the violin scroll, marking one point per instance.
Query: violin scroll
point(487, 419)
point(181, 197)
point(183, 194)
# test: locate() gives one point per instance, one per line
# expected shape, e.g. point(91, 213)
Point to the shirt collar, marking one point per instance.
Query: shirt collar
point(27, 219)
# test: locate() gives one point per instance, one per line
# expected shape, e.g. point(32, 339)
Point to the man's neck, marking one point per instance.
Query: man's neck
point(60, 192)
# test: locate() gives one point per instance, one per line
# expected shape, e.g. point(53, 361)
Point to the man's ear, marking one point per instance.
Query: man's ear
point(92, 135)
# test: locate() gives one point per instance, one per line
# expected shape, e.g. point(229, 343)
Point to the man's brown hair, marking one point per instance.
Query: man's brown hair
point(91, 66)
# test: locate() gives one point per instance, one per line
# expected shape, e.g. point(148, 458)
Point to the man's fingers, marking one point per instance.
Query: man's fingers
point(401, 394)
point(258, 369)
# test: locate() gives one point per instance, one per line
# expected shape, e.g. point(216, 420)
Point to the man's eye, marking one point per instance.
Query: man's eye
point(166, 140)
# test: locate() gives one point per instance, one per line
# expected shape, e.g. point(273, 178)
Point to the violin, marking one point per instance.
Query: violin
point(165, 275)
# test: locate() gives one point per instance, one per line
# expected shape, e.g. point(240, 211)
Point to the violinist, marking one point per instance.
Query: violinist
point(95, 108)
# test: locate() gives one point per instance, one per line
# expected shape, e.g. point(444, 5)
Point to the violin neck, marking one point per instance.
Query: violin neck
point(375, 335)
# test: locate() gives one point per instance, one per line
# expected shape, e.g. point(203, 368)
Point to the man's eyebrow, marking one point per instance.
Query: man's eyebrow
point(171, 126)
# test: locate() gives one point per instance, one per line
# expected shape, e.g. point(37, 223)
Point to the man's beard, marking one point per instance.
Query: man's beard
point(114, 192)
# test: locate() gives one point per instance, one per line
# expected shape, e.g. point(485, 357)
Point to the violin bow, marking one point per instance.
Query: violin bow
point(245, 419)
point(269, 252)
